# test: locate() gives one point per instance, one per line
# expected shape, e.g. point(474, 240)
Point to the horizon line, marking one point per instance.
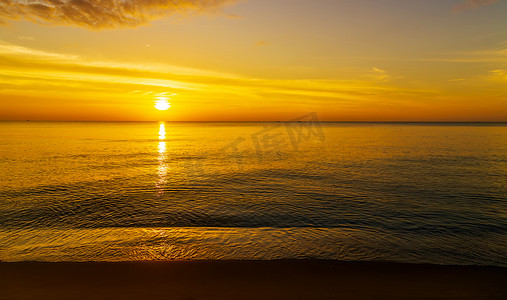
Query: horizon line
point(251, 121)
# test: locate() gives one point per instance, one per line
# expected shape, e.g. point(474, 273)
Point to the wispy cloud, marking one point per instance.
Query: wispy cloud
point(26, 69)
point(61, 86)
point(380, 74)
point(261, 43)
point(235, 17)
point(498, 75)
point(471, 4)
point(494, 55)
point(99, 14)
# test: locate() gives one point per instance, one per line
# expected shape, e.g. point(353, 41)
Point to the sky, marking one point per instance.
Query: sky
point(253, 60)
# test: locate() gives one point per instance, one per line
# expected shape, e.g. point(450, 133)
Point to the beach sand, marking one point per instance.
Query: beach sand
point(284, 279)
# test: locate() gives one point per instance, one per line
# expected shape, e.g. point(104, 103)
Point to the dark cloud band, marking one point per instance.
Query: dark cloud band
point(97, 14)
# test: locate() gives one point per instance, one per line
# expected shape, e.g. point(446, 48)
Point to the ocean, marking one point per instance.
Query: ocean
point(128, 191)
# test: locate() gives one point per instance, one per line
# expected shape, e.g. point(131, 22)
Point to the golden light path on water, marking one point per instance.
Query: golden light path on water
point(162, 165)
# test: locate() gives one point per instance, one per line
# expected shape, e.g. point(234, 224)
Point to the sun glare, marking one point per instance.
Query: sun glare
point(162, 104)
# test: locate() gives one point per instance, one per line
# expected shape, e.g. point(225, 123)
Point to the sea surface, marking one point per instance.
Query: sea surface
point(124, 191)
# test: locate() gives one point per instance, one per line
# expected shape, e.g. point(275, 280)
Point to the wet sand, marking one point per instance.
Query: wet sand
point(285, 279)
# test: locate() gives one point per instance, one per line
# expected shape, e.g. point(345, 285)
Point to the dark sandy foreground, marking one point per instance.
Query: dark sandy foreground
point(300, 279)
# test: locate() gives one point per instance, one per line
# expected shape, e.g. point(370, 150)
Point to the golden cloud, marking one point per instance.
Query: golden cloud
point(99, 14)
point(26, 70)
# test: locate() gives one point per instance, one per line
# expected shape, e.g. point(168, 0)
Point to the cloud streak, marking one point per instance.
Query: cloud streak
point(100, 14)
point(472, 4)
point(24, 69)
point(51, 86)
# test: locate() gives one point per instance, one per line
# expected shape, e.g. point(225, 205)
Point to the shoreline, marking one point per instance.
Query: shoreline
point(247, 279)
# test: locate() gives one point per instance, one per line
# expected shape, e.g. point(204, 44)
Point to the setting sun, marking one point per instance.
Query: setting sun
point(162, 104)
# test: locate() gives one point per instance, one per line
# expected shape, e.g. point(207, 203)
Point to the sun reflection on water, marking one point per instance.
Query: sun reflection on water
point(162, 165)
point(161, 132)
point(161, 148)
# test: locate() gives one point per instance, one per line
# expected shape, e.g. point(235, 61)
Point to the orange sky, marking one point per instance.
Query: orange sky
point(375, 60)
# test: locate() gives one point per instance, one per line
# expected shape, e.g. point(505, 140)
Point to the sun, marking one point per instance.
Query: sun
point(162, 104)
